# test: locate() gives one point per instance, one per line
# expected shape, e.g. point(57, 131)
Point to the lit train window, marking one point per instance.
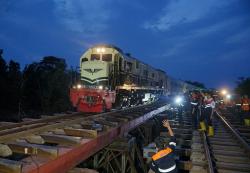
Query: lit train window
point(95, 57)
point(107, 57)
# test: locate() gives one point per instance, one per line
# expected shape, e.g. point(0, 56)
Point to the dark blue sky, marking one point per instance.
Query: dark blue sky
point(201, 40)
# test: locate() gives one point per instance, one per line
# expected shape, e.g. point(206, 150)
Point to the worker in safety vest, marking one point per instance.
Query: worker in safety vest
point(245, 102)
point(195, 111)
point(208, 110)
point(163, 160)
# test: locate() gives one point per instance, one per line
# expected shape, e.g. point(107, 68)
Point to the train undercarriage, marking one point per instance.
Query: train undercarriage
point(100, 100)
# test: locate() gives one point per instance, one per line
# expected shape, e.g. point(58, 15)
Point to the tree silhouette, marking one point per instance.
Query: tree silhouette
point(243, 86)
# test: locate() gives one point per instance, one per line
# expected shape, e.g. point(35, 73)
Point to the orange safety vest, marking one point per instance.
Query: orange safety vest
point(245, 104)
point(161, 154)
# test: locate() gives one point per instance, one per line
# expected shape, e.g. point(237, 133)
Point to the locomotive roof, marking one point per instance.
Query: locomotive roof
point(127, 55)
point(108, 46)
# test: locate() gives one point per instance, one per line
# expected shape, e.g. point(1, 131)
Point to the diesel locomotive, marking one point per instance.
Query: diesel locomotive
point(110, 78)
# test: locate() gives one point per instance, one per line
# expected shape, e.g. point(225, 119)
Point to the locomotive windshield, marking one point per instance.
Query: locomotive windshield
point(107, 57)
point(95, 57)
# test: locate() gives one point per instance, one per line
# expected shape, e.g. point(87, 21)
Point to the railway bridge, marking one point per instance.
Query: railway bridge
point(120, 141)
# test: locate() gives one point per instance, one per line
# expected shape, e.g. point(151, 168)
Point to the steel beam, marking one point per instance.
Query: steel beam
point(70, 157)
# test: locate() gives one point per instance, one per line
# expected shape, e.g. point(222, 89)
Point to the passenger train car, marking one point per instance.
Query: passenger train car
point(112, 79)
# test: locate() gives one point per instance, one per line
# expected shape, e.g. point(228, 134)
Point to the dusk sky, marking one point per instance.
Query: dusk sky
point(200, 40)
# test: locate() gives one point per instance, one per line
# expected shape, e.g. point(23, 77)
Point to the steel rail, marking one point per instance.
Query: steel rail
point(23, 126)
point(207, 153)
point(235, 133)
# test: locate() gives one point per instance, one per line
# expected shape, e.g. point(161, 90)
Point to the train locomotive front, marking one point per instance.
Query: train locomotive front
point(110, 78)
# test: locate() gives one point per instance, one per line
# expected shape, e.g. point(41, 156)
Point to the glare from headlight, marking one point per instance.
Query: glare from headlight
point(228, 96)
point(79, 86)
point(103, 50)
point(100, 87)
point(178, 100)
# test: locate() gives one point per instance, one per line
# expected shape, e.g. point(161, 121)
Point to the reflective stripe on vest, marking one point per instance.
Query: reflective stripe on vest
point(193, 103)
point(167, 170)
point(172, 143)
point(208, 106)
point(245, 105)
point(161, 154)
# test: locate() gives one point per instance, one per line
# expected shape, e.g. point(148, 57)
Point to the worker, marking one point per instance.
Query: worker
point(164, 159)
point(209, 106)
point(201, 111)
point(194, 102)
point(245, 102)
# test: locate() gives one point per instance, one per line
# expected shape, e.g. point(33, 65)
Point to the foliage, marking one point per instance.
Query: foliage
point(243, 86)
point(42, 88)
point(197, 84)
point(10, 78)
point(46, 86)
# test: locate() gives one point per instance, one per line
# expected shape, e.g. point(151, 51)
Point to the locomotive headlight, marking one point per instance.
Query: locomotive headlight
point(98, 50)
point(100, 87)
point(79, 86)
point(103, 50)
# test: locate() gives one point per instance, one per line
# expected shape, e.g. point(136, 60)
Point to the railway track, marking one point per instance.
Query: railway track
point(226, 151)
point(35, 123)
point(57, 145)
point(235, 121)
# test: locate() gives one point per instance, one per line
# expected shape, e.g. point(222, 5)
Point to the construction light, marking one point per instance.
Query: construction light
point(224, 92)
point(228, 96)
point(178, 100)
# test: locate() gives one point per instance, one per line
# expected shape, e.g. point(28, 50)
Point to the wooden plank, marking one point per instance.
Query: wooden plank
point(34, 149)
point(34, 139)
point(185, 165)
point(81, 132)
point(61, 139)
point(5, 150)
point(114, 119)
point(82, 170)
point(234, 159)
point(233, 166)
point(105, 122)
point(10, 166)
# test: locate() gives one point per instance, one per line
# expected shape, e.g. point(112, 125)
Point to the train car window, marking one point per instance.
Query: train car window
point(129, 66)
point(107, 57)
point(95, 57)
point(137, 64)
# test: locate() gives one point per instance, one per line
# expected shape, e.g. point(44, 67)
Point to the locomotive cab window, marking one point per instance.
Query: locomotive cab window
point(107, 57)
point(95, 57)
point(84, 59)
